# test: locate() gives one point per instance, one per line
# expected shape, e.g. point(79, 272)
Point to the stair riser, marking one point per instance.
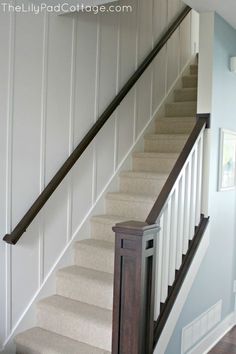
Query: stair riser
point(132, 210)
point(189, 82)
point(141, 185)
point(86, 290)
point(181, 110)
point(102, 232)
point(153, 164)
point(188, 95)
point(21, 349)
point(97, 259)
point(160, 145)
point(193, 69)
point(74, 327)
point(174, 127)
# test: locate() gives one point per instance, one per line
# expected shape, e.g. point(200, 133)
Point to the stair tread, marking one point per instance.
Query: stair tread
point(38, 340)
point(144, 175)
point(166, 136)
point(187, 89)
point(76, 272)
point(183, 103)
point(76, 309)
point(161, 155)
point(176, 118)
point(130, 197)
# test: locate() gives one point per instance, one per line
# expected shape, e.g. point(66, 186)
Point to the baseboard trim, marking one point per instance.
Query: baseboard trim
point(212, 338)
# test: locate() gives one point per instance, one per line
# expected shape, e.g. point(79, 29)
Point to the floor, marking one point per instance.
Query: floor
point(227, 345)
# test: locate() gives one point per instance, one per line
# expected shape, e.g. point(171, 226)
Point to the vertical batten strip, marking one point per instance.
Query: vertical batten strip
point(10, 117)
point(43, 141)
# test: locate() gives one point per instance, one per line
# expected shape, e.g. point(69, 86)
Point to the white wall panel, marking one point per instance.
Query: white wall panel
point(85, 74)
point(25, 272)
point(160, 8)
point(127, 43)
point(174, 7)
point(185, 41)
point(159, 79)
point(57, 133)
point(144, 28)
point(57, 74)
point(58, 92)
point(125, 125)
point(82, 179)
point(25, 154)
point(108, 60)
point(173, 58)
point(143, 100)
point(105, 152)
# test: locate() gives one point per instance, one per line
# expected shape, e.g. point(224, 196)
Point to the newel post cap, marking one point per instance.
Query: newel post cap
point(137, 228)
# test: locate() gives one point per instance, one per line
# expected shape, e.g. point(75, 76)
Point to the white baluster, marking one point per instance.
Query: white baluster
point(187, 206)
point(199, 181)
point(180, 227)
point(166, 252)
point(193, 193)
point(173, 234)
point(158, 282)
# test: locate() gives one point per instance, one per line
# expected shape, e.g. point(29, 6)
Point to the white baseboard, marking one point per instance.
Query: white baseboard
point(212, 338)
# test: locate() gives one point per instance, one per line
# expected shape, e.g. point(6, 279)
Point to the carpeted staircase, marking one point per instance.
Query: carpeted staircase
point(78, 319)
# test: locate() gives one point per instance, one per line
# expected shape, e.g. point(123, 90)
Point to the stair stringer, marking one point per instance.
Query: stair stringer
point(47, 288)
point(183, 294)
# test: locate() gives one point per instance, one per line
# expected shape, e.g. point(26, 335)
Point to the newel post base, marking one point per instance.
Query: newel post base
point(134, 277)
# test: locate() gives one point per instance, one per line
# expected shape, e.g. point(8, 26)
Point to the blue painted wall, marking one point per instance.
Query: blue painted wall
point(215, 278)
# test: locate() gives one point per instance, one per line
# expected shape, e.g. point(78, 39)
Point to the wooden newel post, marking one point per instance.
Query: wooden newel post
point(134, 276)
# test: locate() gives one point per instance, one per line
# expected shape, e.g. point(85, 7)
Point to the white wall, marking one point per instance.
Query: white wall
point(57, 74)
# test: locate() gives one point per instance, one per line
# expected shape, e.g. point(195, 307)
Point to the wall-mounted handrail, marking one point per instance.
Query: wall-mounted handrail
point(202, 121)
point(27, 219)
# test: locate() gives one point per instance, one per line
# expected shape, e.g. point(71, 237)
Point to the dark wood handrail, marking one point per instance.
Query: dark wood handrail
point(27, 219)
point(202, 120)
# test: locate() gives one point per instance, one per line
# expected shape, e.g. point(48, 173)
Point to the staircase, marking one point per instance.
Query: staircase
point(78, 318)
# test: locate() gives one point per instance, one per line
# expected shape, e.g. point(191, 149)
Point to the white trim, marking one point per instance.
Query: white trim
point(210, 340)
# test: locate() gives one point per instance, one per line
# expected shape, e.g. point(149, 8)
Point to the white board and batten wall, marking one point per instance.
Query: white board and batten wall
point(58, 73)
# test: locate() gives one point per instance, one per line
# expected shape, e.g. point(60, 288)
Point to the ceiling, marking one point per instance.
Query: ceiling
point(225, 8)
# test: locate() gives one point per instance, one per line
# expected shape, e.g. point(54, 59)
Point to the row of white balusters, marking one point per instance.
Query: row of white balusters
point(178, 220)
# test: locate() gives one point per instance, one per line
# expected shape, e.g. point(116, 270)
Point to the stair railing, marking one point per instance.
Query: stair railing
point(30, 215)
point(152, 258)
